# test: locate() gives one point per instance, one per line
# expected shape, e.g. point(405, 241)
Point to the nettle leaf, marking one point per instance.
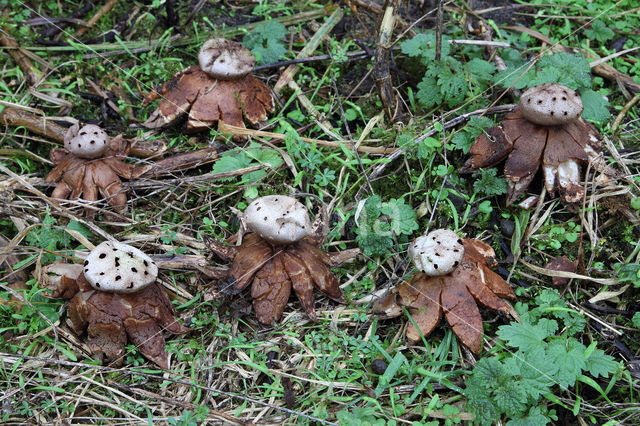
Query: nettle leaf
point(230, 163)
point(374, 241)
point(510, 398)
point(428, 92)
point(379, 221)
point(535, 371)
point(523, 335)
point(265, 42)
point(600, 364)
point(423, 46)
point(444, 81)
point(569, 356)
point(518, 77)
point(452, 80)
point(481, 70)
point(573, 70)
point(535, 417)
point(595, 106)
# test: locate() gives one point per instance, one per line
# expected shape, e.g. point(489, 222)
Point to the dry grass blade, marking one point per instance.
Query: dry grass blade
point(225, 128)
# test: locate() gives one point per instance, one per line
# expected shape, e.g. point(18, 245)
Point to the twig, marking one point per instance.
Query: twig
point(226, 128)
point(182, 161)
point(624, 112)
point(41, 125)
point(381, 74)
point(326, 28)
point(58, 24)
point(306, 103)
point(141, 184)
point(439, 19)
point(194, 12)
point(359, 54)
point(95, 18)
point(32, 74)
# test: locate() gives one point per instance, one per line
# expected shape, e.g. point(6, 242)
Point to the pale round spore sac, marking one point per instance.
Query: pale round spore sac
point(437, 253)
point(550, 104)
point(90, 142)
point(279, 219)
point(119, 268)
point(225, 59)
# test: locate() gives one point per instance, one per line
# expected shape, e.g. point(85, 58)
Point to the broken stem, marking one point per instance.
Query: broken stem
point(381, 73)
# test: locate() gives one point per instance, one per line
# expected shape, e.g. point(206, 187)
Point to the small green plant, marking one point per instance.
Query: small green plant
point(599, 31)
point(556, 236)
point(357, 416)
point(488, 183)
point(547, 357)
point(628, 273)
point(463, 139)
point(445, 80)
point(240, 158)
point(265, 41)
point(188, 418)
point(380, 221)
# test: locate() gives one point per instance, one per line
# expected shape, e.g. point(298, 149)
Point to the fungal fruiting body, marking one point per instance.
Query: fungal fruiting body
point(453, 293)
point(219, 89)
point(114, 298)
point(280, 253)
point(544, 129)
point(90, 164)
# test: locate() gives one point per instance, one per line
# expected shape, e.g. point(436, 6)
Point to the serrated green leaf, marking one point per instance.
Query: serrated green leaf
point(523, 336)
point(535, 417)
point(569, 355)
point(636, 320)
point(510, 398)
point(573, 71)
point(428, 92)
point(518, 77)
point(374, 243)
point(595, 106)
point(480, 69)
point(423, 46)
point(600, 364)
point(265, 42)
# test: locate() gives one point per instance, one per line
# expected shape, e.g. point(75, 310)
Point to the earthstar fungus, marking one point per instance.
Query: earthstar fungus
point(545, 128)
point(114, 298)
point(454, 293)
point(219, 89)
point(280, 252)
point(91, 163)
